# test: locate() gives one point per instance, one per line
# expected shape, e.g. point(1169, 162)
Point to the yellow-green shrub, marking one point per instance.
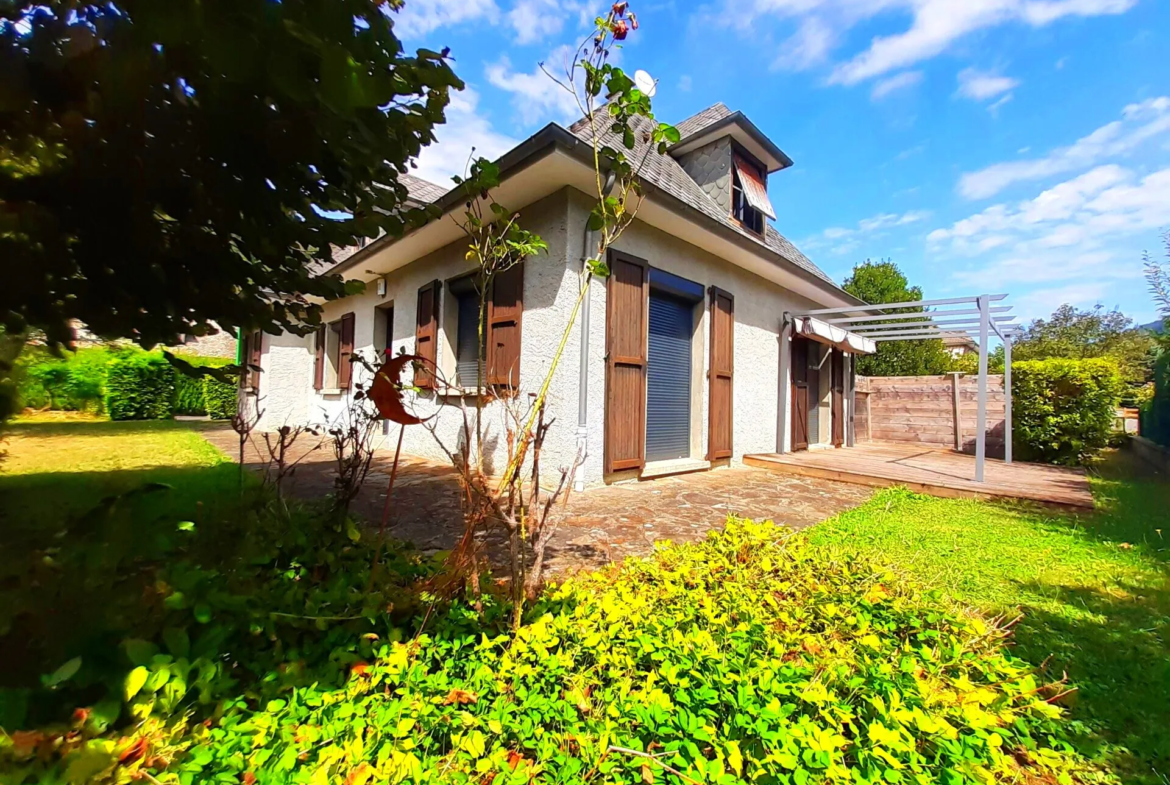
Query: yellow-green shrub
point(1063, 410)
point(749, 657)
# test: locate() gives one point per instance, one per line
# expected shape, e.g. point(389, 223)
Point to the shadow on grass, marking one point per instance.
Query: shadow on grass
point(1115, 650)
point(79, 553)
point(1114, 640)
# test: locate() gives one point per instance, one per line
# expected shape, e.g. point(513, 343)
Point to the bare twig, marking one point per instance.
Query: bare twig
point(653, 758)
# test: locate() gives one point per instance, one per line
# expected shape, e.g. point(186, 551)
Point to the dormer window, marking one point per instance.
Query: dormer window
point(749, 195)
point(743, 212)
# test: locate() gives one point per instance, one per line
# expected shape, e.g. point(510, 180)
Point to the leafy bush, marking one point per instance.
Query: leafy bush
point(191, 392)
point(1063, 410)
point(220, 398)
point(74, 382)
point(1155, 422)
point(188, 395)
point(140, 387)
point(748, 657)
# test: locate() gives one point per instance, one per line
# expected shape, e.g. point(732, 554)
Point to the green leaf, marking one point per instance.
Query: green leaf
point(202, 612)
point(85, 766)
point(178, 641)
point(139, 651)
point(187, 526)
point(62, 674)
point(135, 680)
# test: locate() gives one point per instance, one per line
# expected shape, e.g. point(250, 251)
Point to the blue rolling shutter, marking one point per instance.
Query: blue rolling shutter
point(668, 389)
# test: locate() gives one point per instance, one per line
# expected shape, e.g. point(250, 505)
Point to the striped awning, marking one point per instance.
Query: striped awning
point(753, 186)
point(839, 337)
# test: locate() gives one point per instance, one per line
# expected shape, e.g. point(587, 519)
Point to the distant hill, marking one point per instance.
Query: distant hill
point(1156, 327)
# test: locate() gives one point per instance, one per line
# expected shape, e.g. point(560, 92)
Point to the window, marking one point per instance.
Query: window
point(383, 329)
point(250, 357)
point(741, 210)
point(468, 348)
point(334, 345)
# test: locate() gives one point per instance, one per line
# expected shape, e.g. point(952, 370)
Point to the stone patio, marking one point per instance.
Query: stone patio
point(601, 525)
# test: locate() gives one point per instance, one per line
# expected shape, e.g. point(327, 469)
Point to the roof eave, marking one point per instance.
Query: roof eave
point(553, 137)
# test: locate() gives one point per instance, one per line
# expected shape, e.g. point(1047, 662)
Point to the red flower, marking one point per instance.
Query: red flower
point(619, 8)
point(620, 29)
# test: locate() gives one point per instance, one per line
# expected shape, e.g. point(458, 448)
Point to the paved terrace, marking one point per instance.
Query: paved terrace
point(601, 525)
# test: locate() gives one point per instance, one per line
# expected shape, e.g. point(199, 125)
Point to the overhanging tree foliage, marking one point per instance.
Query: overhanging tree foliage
point(164, 163)
point(882, 282)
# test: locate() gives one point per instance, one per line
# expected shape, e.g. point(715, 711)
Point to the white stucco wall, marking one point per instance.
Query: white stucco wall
point(550, 288)
point(759, 310)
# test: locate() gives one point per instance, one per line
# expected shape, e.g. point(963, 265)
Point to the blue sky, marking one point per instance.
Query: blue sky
point(984, 145)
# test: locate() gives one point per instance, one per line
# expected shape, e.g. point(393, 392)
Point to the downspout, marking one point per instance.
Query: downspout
point(583, 370)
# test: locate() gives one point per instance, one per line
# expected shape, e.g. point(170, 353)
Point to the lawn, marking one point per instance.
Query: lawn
point(116, 488)
point(1093, 591)
point(89, 542)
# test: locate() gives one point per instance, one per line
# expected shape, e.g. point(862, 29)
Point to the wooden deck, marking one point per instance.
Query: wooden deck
point(935, 471)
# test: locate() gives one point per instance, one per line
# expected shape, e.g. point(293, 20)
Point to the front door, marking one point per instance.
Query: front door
point(800, 396)
point(668, 389)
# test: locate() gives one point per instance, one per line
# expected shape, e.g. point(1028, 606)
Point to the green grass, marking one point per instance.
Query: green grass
point(68, 490)
point(1093, 590)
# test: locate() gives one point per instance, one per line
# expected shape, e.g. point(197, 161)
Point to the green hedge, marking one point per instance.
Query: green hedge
point(220, 399)
point(198, 395)
point(1155, 423)
point(1063, 410)
point(140, 387)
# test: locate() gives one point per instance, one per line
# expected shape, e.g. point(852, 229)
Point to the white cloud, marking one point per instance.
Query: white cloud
point(939, 23)
point(895, 83)
point(935, 25)
point(419, 17)
point(1140, 122)
point(535, 20)
point(535, 95)
point(465, 128)
point(981, 85)
point(808, 46)
point(1068, 232)
point(994, 108)
point(844, 240)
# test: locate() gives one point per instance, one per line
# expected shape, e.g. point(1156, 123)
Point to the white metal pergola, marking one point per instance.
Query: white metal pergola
point(975, 317)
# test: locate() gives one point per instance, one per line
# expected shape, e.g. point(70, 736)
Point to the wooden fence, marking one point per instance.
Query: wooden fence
point(937, 411)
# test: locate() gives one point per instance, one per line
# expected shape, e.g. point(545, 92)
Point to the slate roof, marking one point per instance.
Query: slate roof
point(421, 190)
point(697, 122)
point(667, 174)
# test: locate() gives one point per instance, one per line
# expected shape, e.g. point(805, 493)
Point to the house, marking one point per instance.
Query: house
point(958, 344)
point(682, 359)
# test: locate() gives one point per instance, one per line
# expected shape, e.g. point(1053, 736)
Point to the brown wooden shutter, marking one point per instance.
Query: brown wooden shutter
point(799, 393)
point(626, 326)
point(426, 334)
point(345, 352)
point(319, 359)
point(720, 377)
point(243, 357)
point(254, 347)
point(505, 309)
point(837, 370)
